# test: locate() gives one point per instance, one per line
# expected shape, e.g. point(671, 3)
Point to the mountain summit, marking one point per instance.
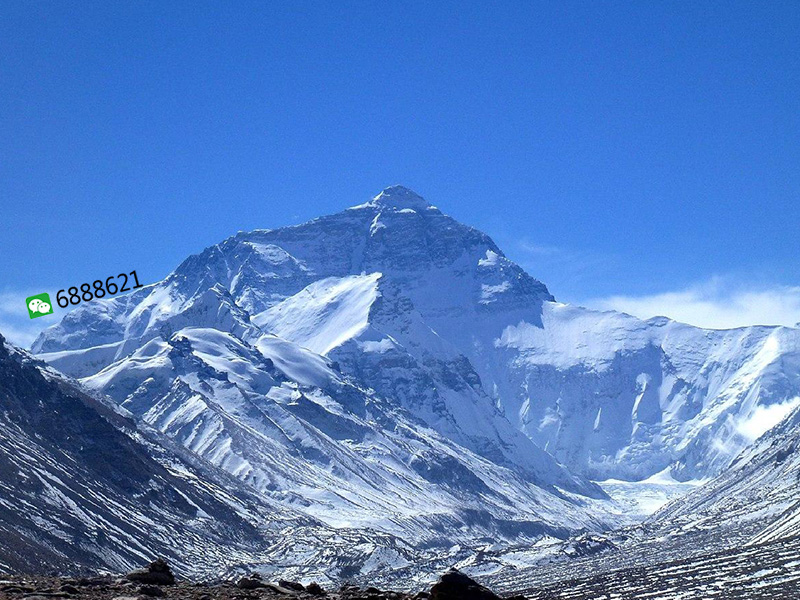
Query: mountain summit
point(399, 197)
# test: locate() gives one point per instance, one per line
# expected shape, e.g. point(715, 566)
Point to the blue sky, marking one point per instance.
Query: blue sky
point(633, 155)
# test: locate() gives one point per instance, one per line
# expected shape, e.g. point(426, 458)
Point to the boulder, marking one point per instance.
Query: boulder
point(69, 589)
point(292, 585)
point(151, 590)
point(315, 589)
point(454, 585)
point(252, 582)
point(156, 573)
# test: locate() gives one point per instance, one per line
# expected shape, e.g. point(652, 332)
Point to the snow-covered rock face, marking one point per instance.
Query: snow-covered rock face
point(399, 198)
point(430, 314)
point(756, 495)
point(82, 487)
point(623, 398)
point(260, 355)
point(316, 443)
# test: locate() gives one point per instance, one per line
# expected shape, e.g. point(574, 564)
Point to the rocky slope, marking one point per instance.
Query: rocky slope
point(760, 572)
point(758, 493)
point(82, 488)
point(737, 536)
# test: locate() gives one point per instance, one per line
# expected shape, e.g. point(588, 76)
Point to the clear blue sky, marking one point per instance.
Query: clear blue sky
point(615, 148)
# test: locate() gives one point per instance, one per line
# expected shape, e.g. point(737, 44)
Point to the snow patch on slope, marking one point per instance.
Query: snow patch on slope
point(325, 314)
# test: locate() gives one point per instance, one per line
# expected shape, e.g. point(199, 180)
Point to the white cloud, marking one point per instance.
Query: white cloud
point(764, 418)
point(717, 304)
point(15, 324)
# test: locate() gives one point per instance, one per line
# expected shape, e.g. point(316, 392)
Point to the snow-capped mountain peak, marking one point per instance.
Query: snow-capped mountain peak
point(394, 304)
point(398, 197)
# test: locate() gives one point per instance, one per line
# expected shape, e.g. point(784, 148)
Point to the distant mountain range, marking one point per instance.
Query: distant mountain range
point(388, 374)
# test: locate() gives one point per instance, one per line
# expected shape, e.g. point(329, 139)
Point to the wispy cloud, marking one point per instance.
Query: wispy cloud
point(764, 418)
point(719, 304)
point(15, 324)
point(565, 270)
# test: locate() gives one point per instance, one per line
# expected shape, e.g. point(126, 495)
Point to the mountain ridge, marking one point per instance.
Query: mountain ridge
point(432, 317)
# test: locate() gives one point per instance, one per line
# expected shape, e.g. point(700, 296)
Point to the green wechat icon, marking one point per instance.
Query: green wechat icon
point(39, 305)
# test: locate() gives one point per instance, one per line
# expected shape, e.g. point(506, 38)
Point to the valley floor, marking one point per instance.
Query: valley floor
point(768, 572)
point(640, 499)
point(757, 572)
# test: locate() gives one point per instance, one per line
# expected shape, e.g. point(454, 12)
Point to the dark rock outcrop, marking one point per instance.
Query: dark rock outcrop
point(454, 585)
point(156, 573)
point(251, 582)
point(151, 590)
point(315, 589)
point(291, 585)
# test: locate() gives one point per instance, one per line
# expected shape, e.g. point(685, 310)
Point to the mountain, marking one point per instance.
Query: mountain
point(382, 389)
point(756, 499)
point(739, 532)
point(289, 410)
point(83, 488)
point(86, 486)
point(431, 315)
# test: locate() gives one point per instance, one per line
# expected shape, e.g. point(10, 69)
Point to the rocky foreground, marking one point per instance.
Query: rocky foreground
point(157, 581)
point(755, 572)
